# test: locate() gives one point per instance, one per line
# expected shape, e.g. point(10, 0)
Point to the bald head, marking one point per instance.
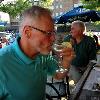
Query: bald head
point(32, 15)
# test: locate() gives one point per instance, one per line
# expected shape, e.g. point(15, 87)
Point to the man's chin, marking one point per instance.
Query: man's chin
point(45, 52)
point(74, 36)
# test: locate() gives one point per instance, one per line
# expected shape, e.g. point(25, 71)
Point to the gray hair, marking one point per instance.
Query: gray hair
point(32, 14)
point(80, 24)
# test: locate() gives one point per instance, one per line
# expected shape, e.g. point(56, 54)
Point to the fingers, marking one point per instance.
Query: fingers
point(67, 49)
point(73, 54)
point(67, 52)
point(68, 59)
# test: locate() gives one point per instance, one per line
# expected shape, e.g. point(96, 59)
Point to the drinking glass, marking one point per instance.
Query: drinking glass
point(57, 48)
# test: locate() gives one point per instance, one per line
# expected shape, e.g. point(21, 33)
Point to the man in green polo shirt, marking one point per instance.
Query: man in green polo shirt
point(84, 47)
point(24, 65)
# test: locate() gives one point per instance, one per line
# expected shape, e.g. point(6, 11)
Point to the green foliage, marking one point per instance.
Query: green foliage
point(16, 8)
point(2, 28)
point(91, 4)
point(97, 24)
point(46, 3)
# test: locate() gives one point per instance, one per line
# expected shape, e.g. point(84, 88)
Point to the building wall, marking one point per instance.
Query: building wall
point(61, 6)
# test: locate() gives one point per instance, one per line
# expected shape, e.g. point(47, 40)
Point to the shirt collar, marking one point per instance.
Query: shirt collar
point(20, 54)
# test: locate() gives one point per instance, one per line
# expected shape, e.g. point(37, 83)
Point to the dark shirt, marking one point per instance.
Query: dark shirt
point(85, 51)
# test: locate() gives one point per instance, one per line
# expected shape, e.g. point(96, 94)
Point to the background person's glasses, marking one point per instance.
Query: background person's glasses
point(44, 32)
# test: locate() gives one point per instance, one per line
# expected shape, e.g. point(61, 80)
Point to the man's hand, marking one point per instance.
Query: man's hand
point(67, 55)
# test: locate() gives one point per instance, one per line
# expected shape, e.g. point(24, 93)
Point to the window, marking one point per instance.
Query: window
point(76, 5)
point(57, 14)
point(61, 13)
point(57, 6)
point(53, 14)
point(52, 7)
point(60, 6)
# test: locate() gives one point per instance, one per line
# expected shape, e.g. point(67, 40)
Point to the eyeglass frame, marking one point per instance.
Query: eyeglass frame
point(44, 32)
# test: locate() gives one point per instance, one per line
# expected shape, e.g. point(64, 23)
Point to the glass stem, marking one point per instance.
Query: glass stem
point(60, 60)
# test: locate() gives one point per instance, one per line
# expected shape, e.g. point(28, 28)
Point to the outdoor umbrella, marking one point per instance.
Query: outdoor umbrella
point(78, 13)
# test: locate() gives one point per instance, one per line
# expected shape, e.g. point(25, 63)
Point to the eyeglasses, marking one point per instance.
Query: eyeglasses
point(44, 32)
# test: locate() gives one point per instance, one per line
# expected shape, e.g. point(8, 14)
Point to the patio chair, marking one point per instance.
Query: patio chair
point(58, 89)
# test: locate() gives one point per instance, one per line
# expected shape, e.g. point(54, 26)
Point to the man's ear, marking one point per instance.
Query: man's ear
point(27, 32)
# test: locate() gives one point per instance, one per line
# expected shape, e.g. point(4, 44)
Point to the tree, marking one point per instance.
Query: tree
point(46, 3)
point(2, 28)
point(14, 9)
point(92, 4)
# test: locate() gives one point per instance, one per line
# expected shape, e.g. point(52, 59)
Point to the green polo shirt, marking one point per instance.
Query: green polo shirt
point(22, 78)
point(85, 51)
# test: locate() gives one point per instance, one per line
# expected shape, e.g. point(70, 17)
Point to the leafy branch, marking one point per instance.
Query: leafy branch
point(91, 4)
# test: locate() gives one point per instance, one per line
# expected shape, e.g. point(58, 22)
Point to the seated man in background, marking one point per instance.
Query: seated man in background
point(24, 64)
point(84, 47)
